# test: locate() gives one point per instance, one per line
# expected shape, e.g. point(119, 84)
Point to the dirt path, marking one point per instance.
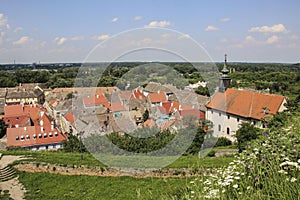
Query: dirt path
point(15, 188)
point(100, 171)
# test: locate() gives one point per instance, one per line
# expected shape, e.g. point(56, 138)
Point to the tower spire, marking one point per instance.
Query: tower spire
point(225, 70)
point(224, 79)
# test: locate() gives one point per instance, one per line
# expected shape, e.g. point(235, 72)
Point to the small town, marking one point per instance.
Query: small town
point(166, 100)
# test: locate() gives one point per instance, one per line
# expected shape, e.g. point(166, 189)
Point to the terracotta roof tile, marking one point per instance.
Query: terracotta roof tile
point(70, 117)
point(157, 97)
point(95, 100)
point(117, 106)
point(244, 103)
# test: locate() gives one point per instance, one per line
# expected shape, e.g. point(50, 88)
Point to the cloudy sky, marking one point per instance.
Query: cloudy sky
point(67, 30)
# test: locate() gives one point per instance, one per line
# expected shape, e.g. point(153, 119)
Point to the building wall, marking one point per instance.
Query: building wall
point(224, 124)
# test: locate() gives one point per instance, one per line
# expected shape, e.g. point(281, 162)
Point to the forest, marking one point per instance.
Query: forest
point(277, 78)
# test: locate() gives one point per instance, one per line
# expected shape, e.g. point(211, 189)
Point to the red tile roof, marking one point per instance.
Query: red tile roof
point(246, 104)
point(41, 125)
point(13, 110)
point(138, 94)
point(95, 100)
point(117, 106)
point(192, 112)
point(32, 136)
point(157, 97)
point(70, 117)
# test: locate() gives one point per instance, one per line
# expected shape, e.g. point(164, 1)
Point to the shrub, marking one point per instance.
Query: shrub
point(245, 134)
point(223, 141)
point(212, 153)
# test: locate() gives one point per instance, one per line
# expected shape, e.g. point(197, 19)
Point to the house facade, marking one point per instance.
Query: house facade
point(229, 107)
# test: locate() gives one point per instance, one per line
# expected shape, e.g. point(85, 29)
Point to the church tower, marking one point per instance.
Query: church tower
point(224, 79)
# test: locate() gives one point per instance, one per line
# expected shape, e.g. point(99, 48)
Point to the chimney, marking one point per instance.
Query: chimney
point(25, 128)
point(42, 129)
point(180, 107)
point(97, 96)
point(41, 123)
point(17, 125)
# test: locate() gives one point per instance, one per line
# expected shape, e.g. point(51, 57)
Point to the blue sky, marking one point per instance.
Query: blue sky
point(67, 30)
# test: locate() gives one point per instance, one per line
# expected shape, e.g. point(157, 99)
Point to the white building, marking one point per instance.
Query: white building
point(230, 107)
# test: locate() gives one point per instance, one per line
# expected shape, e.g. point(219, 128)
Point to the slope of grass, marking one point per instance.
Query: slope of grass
point(53, 186)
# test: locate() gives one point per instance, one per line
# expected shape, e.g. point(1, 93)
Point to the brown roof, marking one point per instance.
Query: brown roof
point(157, 97)
point(248, 104)
point(157, 87)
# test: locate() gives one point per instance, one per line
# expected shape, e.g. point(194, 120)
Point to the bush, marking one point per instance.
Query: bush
point(223, 141)
point(212, 153)
point(246, 133)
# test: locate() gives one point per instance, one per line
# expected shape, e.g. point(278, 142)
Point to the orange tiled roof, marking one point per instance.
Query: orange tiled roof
point(117, 106)
point(95, 100)
point(192, 112)
point(138, 94)
point(246, 104)
point(150, 123)
point(43, 132)
point(70, 117)
point(157, 97)
point(13, 110)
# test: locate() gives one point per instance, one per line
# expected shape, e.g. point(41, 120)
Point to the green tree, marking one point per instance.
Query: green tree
point(145, 115)
point(73, 144)
point(2, 128)
point(246, 133)
point(197, 142)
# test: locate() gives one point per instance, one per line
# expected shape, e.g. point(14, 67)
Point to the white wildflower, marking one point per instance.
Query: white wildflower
point(235, 186)
point(293, 179)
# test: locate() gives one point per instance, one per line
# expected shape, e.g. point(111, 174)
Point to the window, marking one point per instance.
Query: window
point(254, 123)
point(40, 135)
point(219, 114)
point(228, 116)
point(237, 119)
point(219, 127)
point(228, 130)
point(212, 112)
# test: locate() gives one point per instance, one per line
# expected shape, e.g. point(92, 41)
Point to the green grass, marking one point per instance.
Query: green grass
point(53, 186)
point(195, 162)
point(58, 157)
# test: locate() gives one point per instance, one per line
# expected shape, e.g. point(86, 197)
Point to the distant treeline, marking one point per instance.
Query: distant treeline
point(279, 78)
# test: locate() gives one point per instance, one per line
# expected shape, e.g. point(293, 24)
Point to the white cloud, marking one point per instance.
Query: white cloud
point(224, 40)
point(225, 19)
point(4, 21)
point(22, 40)
point(136, 18)
point(115, 19)
point(211, 28)
point(60, 40)
point(159, 24)
point(2, 34)
point(278, 28)
point(184, 36)
point(101, 37)
point(250, 38)
point(18, 29)
point(76, 38)
point(272, 39)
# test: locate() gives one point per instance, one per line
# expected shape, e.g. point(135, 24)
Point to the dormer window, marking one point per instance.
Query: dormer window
point(34, 136)
point(27, 137)
point(17, 138)
point(45, 135)
point(50, 134)
point(40, 135)
point(22, 137)
point(56, 134)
